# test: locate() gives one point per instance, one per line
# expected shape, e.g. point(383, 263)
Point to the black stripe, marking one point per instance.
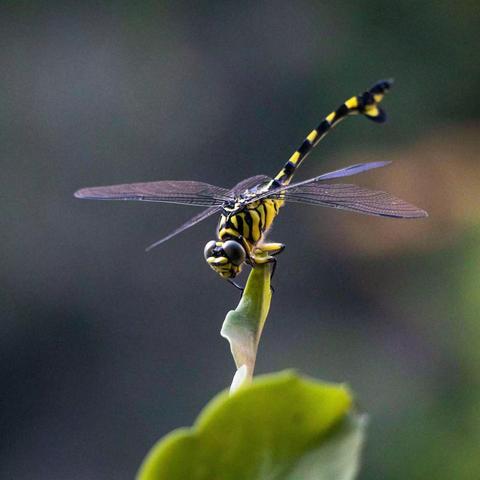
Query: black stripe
point(261, 209)
point(249, 221)
point(365, 99)
point(230, 225)
point(381, 87)
point(240, 224)
point(305, 147)
point(323, 128)
point(289, 168)
point(275, 184)
point(340, 112)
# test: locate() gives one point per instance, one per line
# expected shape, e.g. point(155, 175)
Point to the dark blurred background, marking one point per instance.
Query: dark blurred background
point(104, 348)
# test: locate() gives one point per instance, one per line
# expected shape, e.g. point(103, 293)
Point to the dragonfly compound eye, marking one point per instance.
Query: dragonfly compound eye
point(209, 247)
point(234, 252)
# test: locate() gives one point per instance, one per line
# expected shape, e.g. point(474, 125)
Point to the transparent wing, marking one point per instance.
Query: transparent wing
point(351, 170)
point(343, 172)
point(352, 198)
point(227, 194)
point(167, 191)
point(189, 223)
point(249, 183)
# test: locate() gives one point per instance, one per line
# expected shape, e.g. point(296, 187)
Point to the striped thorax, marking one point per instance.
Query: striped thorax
point(246, 224)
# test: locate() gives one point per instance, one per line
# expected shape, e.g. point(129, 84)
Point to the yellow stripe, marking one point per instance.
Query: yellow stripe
point(261, 211)
point(372, 111)
point(234, 221)
point(271, 247)
point(312, 136)
point(227, 231)
point(217, 260)
point(294, 158)
point(269, 213)
point(246, 229)
point(352, 103)
point(256, 234)
point(330, 117)
point(277, 205)
point(378, 97)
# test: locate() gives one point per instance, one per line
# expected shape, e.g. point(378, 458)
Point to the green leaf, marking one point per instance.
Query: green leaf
point(338, 458)
point(243, 326)
point(281, 427)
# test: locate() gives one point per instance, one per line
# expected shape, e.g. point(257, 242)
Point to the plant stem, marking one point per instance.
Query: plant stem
point(243, 326)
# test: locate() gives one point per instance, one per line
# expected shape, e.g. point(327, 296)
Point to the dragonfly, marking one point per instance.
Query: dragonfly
point(248, 210)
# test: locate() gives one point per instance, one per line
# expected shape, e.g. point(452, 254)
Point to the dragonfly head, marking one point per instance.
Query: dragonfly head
point(226, 258)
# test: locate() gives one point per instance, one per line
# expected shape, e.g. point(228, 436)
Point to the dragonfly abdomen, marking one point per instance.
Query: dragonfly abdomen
point(366, 104)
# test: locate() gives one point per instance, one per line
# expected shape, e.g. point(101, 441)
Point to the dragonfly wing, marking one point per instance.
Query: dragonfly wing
point(343, 172)
point(189, 223)
point(351, 170)
point(226, 195)
point(353, 198)
point(249, 183)
point(167, 191)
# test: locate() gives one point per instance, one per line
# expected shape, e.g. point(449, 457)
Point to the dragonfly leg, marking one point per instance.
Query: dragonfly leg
point(266, 253)
point(274, 268)
point(236, 285)
point(270, 248)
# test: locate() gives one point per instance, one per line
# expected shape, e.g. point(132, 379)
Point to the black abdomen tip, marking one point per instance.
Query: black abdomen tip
point(382, 86)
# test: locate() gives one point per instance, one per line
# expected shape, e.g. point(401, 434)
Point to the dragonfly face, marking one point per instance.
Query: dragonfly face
point(226, 258)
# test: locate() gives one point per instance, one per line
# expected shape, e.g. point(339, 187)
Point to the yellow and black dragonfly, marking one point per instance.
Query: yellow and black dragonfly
point(248, 210)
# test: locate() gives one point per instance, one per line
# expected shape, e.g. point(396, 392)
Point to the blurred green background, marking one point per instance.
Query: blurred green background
point(105, 348)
